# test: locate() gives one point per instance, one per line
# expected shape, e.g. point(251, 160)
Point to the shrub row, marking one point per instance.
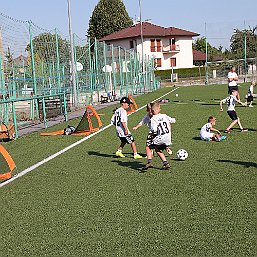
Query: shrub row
point(182, 73)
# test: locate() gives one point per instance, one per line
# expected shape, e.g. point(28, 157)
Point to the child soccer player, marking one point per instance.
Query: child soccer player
point(120, 120)
point(207, 131)
point(161, 131)
point(147, 121)
point(231, 102)
point(250, 95)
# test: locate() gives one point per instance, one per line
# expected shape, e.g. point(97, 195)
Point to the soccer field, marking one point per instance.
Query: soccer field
point(87, 202)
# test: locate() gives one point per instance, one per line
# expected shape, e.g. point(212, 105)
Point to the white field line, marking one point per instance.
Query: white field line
point(24, 172)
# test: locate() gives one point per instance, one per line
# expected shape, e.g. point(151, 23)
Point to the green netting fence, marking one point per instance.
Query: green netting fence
point(36, 62)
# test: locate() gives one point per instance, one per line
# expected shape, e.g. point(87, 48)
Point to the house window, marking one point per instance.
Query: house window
point(173, 62)
point(156, 45)
point(158, 62)
point(153, 45)
point(172, 44)
point(131, 44)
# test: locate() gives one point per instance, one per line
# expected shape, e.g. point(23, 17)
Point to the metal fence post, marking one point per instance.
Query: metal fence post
point(33, 66)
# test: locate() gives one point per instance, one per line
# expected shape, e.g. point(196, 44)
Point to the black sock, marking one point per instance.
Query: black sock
point(149, 160)
point(165, 162)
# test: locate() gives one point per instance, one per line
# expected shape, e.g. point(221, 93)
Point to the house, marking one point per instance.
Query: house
point(170, 47)
point(199, 58)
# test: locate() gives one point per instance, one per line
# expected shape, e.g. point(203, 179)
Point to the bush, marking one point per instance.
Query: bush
point(182, 73)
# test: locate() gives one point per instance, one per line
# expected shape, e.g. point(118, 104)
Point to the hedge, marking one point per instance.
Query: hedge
point(182, 73)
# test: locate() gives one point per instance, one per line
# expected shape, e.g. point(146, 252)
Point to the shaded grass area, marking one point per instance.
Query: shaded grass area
point(86, 202)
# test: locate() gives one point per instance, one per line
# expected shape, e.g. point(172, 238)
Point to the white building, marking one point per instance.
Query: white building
point(170, 47)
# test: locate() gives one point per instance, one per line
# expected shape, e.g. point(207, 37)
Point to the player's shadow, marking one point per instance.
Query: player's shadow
point(214, 104)
point(245, 164)
point(132, 165)
point(197, 138)
point(100, 154)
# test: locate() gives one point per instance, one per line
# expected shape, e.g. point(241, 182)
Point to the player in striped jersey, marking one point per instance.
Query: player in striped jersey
point(161, 131)
point(231, 103)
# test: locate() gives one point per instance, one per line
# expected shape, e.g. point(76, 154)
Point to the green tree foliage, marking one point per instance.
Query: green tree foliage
point(237, 45)
point(44, 47)
point(108, 16)
point(213, 52)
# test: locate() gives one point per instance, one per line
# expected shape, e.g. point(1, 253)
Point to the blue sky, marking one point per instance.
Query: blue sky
point(221, 16)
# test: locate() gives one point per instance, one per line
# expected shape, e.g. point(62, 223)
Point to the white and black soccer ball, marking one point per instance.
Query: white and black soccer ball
point(182, 154)
point(69, 130)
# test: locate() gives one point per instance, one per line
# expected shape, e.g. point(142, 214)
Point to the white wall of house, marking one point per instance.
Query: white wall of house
point(183, 55)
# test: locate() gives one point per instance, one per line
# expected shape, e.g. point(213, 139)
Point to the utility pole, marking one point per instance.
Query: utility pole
point(72, 65)
point(142, 43)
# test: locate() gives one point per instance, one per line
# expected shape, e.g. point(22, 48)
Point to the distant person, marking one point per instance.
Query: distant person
point(249, 99)
point(232, 82)
point(207, 132)
point(231, 103)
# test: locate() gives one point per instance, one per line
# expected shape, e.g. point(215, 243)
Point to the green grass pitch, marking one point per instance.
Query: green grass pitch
point(87, 202)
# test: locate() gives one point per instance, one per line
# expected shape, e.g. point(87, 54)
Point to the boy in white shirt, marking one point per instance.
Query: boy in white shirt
point(120, 120)
point(207, 131)
point(161, 131)
point(231, 103)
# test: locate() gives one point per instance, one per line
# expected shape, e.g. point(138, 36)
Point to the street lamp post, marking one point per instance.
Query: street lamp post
point(142, 43)
point(73, 67)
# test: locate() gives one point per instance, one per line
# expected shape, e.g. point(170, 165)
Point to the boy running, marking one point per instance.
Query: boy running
point(161, 131)
point(120, 120)
point(231, 103)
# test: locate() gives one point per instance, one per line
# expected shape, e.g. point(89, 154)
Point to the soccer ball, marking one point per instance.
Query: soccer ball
point(176, 95)
point(69, 130)
point(182, 154)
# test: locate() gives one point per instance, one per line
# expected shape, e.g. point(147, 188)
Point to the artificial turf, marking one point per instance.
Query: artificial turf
point(87, 202)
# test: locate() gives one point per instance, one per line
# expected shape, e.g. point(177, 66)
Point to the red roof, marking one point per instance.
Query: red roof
point(199, 56)
point(149, 30)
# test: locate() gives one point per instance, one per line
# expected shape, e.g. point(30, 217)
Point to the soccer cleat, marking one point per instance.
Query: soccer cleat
point(120, 154)
point(168, 150)
point(147, 166)
point(250, 105)
point(222, 138)
point(244, 130)
point(166, 166)
point(137, 156)
point(228, 131)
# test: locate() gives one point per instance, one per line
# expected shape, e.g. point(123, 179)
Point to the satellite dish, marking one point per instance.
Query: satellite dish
point(107, 68)
point(79, 66)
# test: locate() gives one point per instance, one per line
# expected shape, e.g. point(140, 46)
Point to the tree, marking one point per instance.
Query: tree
point(44, 47)
point(108, 16)
point(213, 52)
point(237, 45)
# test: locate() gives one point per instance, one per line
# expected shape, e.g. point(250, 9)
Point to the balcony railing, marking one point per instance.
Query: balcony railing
point(170, 48)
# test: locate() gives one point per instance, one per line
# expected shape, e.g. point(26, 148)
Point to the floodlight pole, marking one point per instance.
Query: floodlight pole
point(73, 67)
point(142, 43)
point(206, 57)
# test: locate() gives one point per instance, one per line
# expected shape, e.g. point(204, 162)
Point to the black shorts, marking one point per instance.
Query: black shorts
point(128, 139)
point(230, 89)
point(158, 148)
point(249, 98)
point(232, 115)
